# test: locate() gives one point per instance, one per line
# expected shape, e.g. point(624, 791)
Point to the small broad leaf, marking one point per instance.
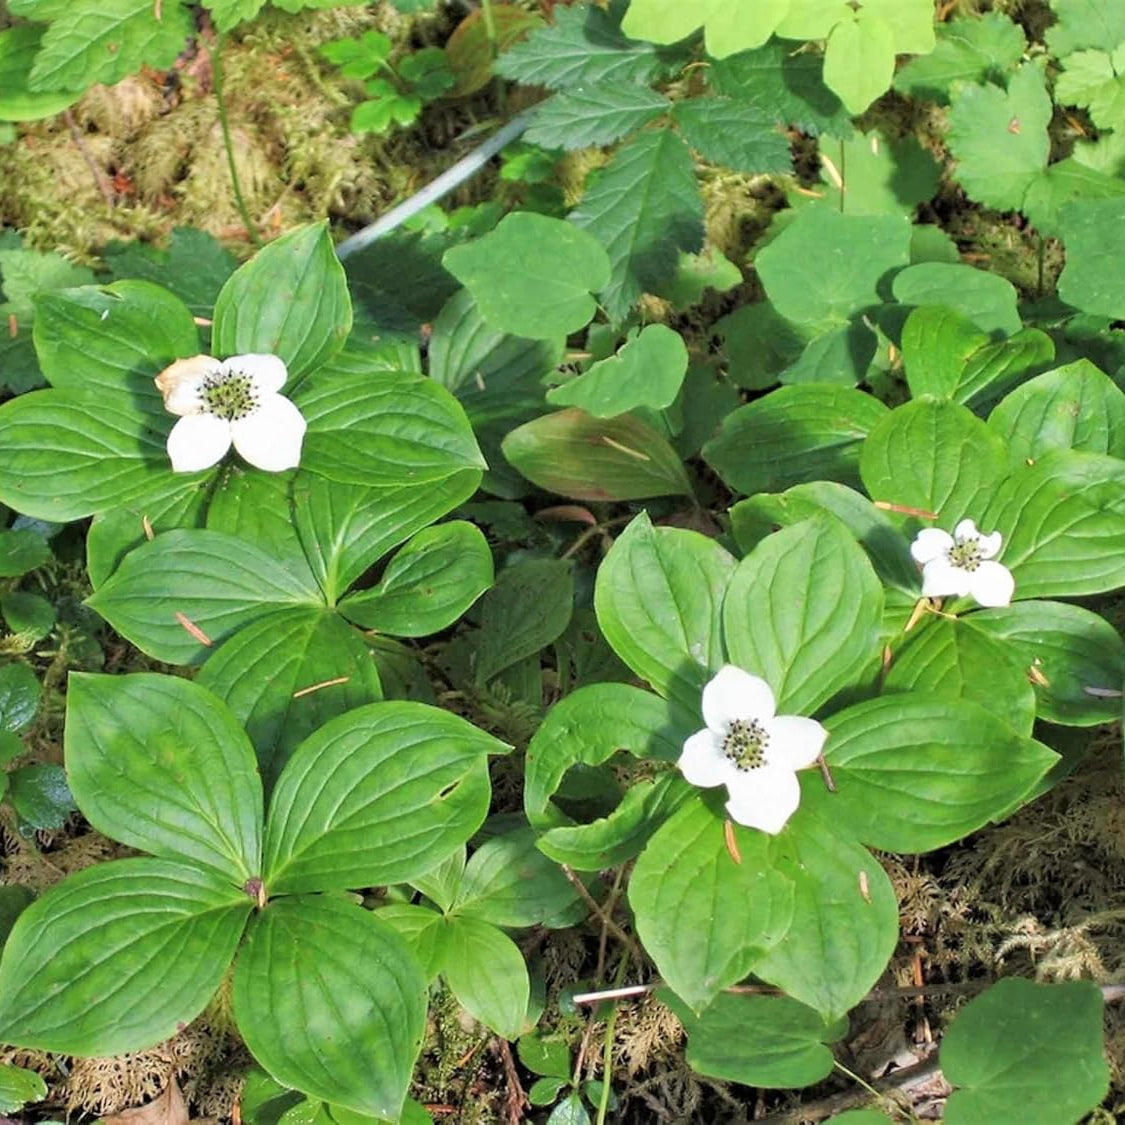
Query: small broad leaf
point(1026, 1054)
point(378, 795)
point(485, 970)
point(317, 970)
point(532, 275)
point(859, 59)
point(40, 796)
point(687, 871)
point(20, 551)
point(290, 300)
point(1092, 279)
point(160, 764)
point(18, 1087)
point(804, 610)
point(986, 299)
point(728, 28)
point(658, 599)
point(19, 696)
point(118, 957)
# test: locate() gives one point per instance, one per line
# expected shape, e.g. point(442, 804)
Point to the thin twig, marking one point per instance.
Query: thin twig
point(99, 176)
point(600, 914)
point(515, 1100)
point(224, 125)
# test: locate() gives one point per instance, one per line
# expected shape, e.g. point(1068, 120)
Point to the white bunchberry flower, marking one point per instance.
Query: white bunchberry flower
point(960, 565)
point(751, 750)
point(231, 401)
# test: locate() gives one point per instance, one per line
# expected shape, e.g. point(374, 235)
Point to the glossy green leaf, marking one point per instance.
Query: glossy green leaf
point(1071, 655)
point(1071, 407)
point(428, 585)
point(935, 456)
point(19, 696)
point(486, 972)
point(587, 458)
point(794, 435)
point(40, 796)
point(383, 428)
point(316, 970)
point(160, 764)
point(855, 253)
point(644, 207)
point(257, 508)
point(290, 300)
point(216, 582)
point(378, 795)
point(1026, 1054)
point(947, 658)
point(118, 957)
point(532, 275)
point(658, 599)
point(766, 1041)
point(937, 343)
point(845, 915)
point(997, 367)
point(803, 610)
point(422, 929)
point(687, 872)
point(18, 1087)
point(914, 773)
point(648, 370)
point(1063, 523)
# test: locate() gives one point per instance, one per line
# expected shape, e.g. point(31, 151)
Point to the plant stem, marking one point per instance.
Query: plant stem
point(240, 202)
point(607, 1043)
point(489, 26)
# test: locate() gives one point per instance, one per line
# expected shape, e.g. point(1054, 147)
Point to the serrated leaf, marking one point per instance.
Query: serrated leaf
point(160, 764)
point(471, 51)
point(585, 44)
point(999, 138)
point(118, 957)
point(18, 49)
point(594, 115)
point(687, 871)
point(803, 610)
point(317, 970)
point(91, 41)
point(228, 14)
point(378, 795)
point(1090, 80)
point(658, 599)
point(643, 207)
point(734, 133)
point(1085, 23)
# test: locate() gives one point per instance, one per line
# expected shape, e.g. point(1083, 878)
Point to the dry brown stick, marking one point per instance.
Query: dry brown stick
point(514, 1099)
point(601, 915)
point(99, 177)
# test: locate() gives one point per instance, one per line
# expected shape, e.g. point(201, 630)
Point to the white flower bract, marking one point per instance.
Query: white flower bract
point(960, 565)
point(231, 401)
point(751, 750)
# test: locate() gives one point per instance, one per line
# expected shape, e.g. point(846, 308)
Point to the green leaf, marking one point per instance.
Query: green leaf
point(14, 900)
point(766, 1041)
point(428, 585)
point(92, 41)
point(424, 932)
point(1085, 23)
point(587, 458)
point(331, 1002)
point(378, 795)
point(841, 355)
point(1092, 279)
point(804, 611)
point(40, 796)
point(18, 1087)
point(532, 275)
point(161, 765)
point(118, 957)
point(1075, 652)
point(648, 370)
point(594, 115)
point(935, 456)
point(999, 138)
point(794, 435)
point(854, 254)
point(547, 1055)
point(760, 344)
point(947, 658)
point(937, 343)
point(485, 971)
point(969, 49)
point(584, 45)
point(290, 300)
point(869, 175)
point(1026, 1054)
point(658, 599)
point(643, 207)
point(687, 871)
point(509, 882)
point(217, 583)
point(1090, 80)
point(286, 674)
point(1065, 181)
point(1072, 407)
point(727, 29)
point(18, 49)
point(859, 59)
point(845, 916)
point(21, 551)
point(384, 428)
point(1063, 523)
point(734, 133)
point(30, 615)
point(986, 299)
point(19, 696)
point(914, 773)
point(228, 14)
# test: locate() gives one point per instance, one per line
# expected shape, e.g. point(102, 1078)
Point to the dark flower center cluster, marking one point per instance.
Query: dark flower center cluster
point(745, 743)
point(229, 396)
